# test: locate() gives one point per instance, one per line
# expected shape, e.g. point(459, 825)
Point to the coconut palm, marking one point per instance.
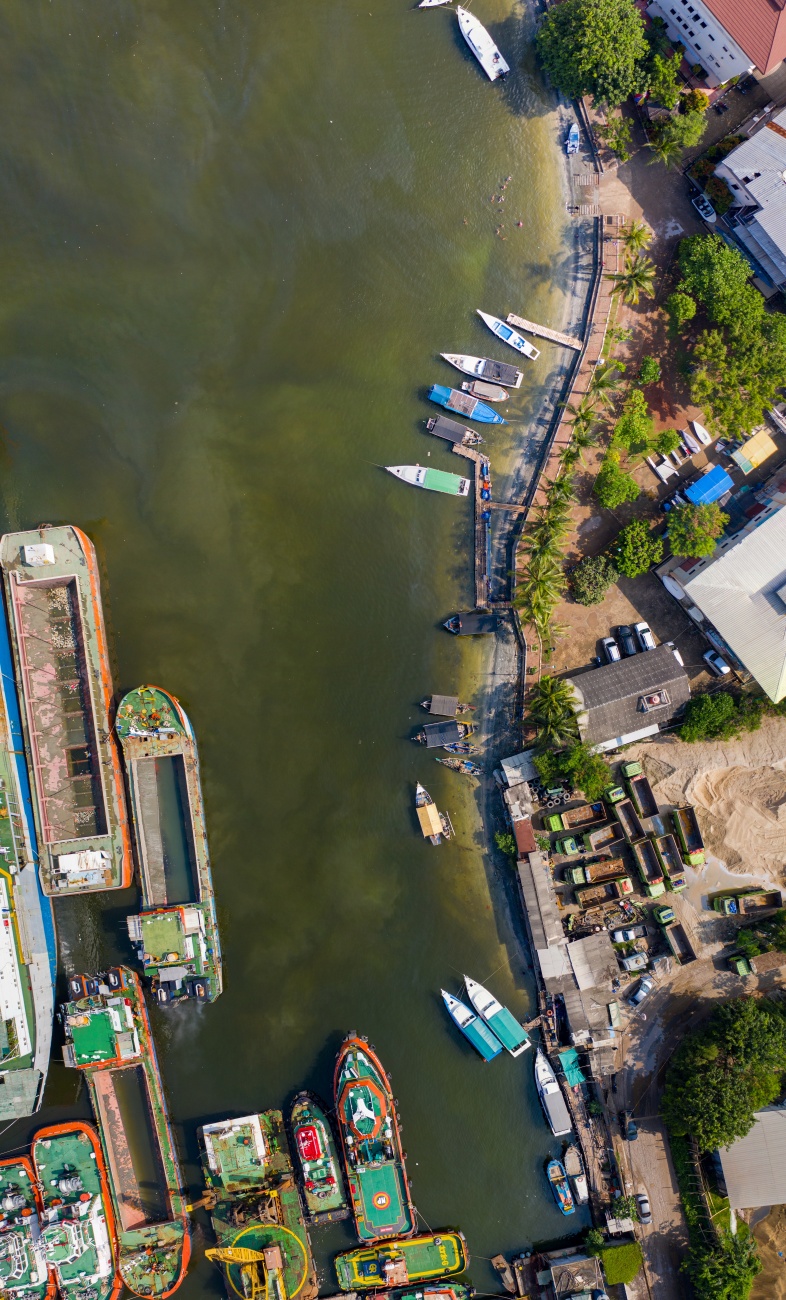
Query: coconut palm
point(582, 439)
point(636, 236)
point(606, 378)
point(551, 707)
point(638, 278)
point(583, 412)
point(666, 151)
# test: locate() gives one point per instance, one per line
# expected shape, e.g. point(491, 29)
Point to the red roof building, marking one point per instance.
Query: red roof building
point(758, 27)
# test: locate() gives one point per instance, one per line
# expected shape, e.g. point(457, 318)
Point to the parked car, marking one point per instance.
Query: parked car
point(721, 108)
point(705, 209)
point(638, 961)
point(611, 650)
point(631, 1131)
point(646, 639)
point(676, 653)
point(626, 639)
point(646, 986)
point(717, 666)
point(643, 1207)
point(627, 936)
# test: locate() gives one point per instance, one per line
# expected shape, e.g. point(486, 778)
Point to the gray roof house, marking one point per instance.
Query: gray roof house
point(754, 1167)
point(631, 699)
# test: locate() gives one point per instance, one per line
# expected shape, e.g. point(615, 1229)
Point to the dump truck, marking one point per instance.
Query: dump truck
point(640, 790)
point(592, 895)
point(594, 872)
point(750, 903)
point(670, 858)
point(584, 815)
point(614, 794)
point(628, 819)
point(605, 837)
point(648, 867)
point(689, 836)
point(567, 846)
point(741, 966)
point(677, 938)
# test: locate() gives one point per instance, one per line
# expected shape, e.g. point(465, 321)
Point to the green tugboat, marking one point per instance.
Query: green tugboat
point(255, 1208)
point(321, 1177)
point(370, 1137)
point(78, 1226)
point(399, 1263)
point(176, 933)
point(108, 1037)
point(23, 1269)
point(441, 1291)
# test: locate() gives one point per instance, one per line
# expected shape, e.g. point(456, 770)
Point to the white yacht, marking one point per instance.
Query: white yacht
point(482, 46)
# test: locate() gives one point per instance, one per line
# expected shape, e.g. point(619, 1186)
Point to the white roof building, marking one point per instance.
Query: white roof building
point(755, 172)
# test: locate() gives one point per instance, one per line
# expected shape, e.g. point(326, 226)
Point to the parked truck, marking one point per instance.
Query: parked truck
point(640, 790)
point(628, 819)
point(584, 815)
point(689, 836)
point(677, 938)
point(592, 895)
point(750, 903)
point(670, 858)
point(605, 837)
point(593, 872)
point(648, 867)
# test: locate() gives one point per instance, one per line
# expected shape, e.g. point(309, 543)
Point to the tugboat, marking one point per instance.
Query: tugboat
point(176, 933)
point(434, 824)
point(315, 1146)
point(558, 1181)
point(368, 1124)
point(23, 1267)
point(461, 765)
point(398, 1263)
point(499, 1020)
point(78, 1226)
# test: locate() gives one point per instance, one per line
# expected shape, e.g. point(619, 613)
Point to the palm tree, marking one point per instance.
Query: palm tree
point(582, 439)
point(666, 151)
point(606, 378)
point(552, 709)
point(583, 412)
point(637, 278)
point(636, 236)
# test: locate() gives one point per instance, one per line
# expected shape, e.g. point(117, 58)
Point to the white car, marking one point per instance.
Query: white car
point(676, 653)
point(627, 936)
point(645, 637)
point(643, 1207)
point(644, 988)
point(705, 209)
point(717, 666)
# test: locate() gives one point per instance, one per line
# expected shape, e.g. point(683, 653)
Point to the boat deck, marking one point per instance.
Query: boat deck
point(382, 1198)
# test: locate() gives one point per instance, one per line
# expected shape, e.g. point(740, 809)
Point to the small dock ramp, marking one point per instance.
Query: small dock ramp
point(542, 332)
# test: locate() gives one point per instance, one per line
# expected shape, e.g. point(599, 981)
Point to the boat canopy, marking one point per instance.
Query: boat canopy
point(569, 1061)
point(450, 430)
point(428, 816)
point(477, 624)
point(710, 487)
point(441, 733)
point(445, 706)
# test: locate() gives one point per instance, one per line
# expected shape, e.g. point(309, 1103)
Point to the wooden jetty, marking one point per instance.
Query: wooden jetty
point(542, 332)
point(481, 529)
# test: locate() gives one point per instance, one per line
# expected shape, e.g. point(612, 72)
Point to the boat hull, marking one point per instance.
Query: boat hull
point(496, 372)
point(464, 404)
point(24, 1274)
point(502, 1023)
point(474, 1029)
point(551, 1099)
point(482, 46)
point(560, 1188)
point(314, 1148)
point(505, 334)
point(422, 1258)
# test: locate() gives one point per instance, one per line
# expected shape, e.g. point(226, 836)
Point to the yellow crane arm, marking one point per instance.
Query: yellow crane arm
point(235, 1255)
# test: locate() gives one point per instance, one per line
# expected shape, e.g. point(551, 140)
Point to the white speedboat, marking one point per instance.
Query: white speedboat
point(430, 4)
point(503, 1023)
point(497, 372)
point(509, 336)
point(551, 1098)
point(482, 46)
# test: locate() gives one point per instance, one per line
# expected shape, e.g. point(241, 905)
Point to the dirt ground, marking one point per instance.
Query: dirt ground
point(770, 1237)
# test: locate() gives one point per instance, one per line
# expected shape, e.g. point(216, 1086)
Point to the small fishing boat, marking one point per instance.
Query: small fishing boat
point(498, 372)
point(482, 46)
point(433, 823)
point(457, 434)
point(315, 1146)
point(445, 706)
point(691, 443)
point(501, 1266)
point(508, 335)
point(436, 735)
point(461, 765)
point(501, 1021)
point(701, 433)
point(463, 404)
point(474, 623)
point(572, 141)
point(491, 392)
point(574, 1168)
point(434, 480)
point(472, 1027)
point(558, 1181)
point(460, 747)
point(431, 4)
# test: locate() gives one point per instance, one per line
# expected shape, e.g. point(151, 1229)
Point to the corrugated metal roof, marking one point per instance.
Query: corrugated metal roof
point(758, 27)
point(759, 164)
point(755, 451)
point(609, 703)
point(710, 487)
point(738, 594)
point(754, 1167)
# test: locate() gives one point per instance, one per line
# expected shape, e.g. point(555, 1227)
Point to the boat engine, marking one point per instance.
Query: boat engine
point(69, 1184)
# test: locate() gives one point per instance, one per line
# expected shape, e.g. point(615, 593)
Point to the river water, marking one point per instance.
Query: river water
point(235, 238)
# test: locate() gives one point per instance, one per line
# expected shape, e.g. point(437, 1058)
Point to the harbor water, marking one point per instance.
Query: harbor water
point(236, 239)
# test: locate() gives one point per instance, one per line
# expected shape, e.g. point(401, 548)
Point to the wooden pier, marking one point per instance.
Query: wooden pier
point(542, 332)
point(481, 529)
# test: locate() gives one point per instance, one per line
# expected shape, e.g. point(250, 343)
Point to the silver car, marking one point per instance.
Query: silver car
point(611, 650)
point(717, 666)
point(643, 1207)
point(645, 637)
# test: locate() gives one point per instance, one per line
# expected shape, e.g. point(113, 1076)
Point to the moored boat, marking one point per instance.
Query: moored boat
point(24, 1274)
point(573, 140)
point(315, 1148)
point(460, 747)
point(498, 372)
point(434, 480)
point(482, 46)
point(434, 824)
point(701, 433)
point(437, 735)
point(439, 1291)
point(371, 1142)
point(510, 336)
point(500, 1021)
point(463, 404)
point(551, 1099)
point(77, 1222)
point(488, 392)
point(445, 706)
point(431, 4)
point(474, 1029)
point(108, 1038)
point(62, 667)
point(501, 1266)
point(574, 1168)
point(255, 1206)
point(472, 623)
point(176, 933)
point(462, 765)
point(453, 432)
point(397, 1263)
point(558, 1181)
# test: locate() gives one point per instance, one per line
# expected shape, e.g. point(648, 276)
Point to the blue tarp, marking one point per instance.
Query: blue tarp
point(709, 487)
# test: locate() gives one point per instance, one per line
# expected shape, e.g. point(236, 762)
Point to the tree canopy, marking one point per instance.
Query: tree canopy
point(681, 308)
point(585, 770)
point(718, 276)
point(592, 578)
point(694, 530)
point(594, 47)
point(633, 430)
point(637, 548)
point(613, 486)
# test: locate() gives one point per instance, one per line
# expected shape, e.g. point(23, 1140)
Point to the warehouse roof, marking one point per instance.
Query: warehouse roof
point(743, 594)
point(754, 1167)
point(611, 699)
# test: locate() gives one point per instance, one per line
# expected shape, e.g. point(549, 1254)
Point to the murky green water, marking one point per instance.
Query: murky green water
point(235, 239)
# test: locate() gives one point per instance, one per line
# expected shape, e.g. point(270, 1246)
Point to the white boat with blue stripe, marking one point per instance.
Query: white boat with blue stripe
point(483, 1039)
point(509, 336)
point(500, 1021)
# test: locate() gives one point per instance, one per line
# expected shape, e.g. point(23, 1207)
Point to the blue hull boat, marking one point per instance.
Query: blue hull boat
point(558, 1181)
point(464, 404)
point(572, 142)
point(475, 1030)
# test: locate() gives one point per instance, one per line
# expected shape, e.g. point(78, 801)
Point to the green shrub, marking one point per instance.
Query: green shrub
point(649, 370)
point(637, 548)
point(710, 717)
point(594, 1241)
point(680, 308)
point(621, 1263)
point(592, 578)
point(719, 195)
point(694, 530)
point(613, 486)
point(667, 440)
point(506, 843)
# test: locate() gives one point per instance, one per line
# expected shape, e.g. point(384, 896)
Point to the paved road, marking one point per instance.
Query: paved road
point(647, 1168)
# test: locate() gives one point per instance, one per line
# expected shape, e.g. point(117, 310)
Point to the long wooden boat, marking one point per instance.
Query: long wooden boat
point(396, 1263)
point(176, 933)
point(62, 667)
point(24, 1273)
point(433, 823)
point(371, 1142)
point(78, 1232)
point(465, 404)
point(433, 480)
point(108, 1038)
point(498, 372)
point(560, 1187)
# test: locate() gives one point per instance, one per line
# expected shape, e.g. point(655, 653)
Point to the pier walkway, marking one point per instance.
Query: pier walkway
point(543, 332)
point(481, 536)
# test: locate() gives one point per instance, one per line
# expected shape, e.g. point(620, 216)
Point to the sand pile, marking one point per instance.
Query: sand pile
point(770, 1237)
point(738, 788)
